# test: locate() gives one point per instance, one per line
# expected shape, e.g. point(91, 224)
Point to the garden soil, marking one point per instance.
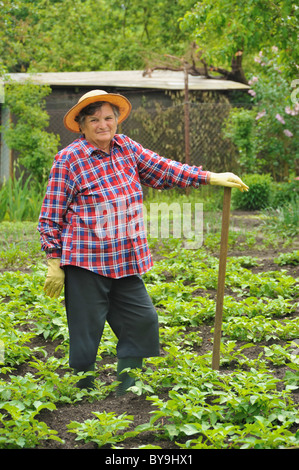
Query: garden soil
point(139, 406)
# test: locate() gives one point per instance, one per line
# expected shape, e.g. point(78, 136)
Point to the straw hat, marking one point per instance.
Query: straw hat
point(123, 104)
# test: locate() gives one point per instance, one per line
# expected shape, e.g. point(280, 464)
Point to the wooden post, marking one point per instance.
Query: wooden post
point(221, 278)
point(187, 116)
point(187, 121)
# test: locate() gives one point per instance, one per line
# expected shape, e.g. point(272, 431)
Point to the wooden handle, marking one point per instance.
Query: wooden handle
point(221, 277)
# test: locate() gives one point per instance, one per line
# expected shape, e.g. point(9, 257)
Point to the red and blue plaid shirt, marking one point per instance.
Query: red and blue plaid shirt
point(91, 215)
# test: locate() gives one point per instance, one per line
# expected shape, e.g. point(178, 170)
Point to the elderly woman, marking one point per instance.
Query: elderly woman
point(92, 231)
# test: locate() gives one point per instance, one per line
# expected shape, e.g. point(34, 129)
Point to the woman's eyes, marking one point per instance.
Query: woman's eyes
point(108, 118)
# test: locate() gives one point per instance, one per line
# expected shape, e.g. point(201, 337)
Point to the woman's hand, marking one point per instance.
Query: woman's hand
point(55, 278)
point(227, 179)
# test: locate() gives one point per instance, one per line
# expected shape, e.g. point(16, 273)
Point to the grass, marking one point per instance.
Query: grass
point(19, 244)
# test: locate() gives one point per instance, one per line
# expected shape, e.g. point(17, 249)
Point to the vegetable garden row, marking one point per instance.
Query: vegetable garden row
point(178, 402)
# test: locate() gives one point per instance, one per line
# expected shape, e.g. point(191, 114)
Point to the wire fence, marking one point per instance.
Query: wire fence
point(162, 129)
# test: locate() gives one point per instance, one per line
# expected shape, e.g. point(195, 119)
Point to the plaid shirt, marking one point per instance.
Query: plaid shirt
point(91, 215)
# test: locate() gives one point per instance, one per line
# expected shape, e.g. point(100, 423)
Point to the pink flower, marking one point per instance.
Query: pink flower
point(275, 49)
point(280, 118)
point(253, 80)
point(261, 114)
point(292, 112)
point(252, 93)
point(288, 133)
point(258, 60)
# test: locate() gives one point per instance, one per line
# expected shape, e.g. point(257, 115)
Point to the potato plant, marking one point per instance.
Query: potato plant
point(249, 403)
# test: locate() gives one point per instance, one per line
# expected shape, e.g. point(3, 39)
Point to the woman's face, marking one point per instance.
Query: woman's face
point(100, 128)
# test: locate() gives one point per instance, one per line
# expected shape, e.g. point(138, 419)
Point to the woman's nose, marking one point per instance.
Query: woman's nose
point(102, 124)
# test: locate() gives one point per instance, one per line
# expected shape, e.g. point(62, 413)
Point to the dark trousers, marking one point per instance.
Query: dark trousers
point(92, 299)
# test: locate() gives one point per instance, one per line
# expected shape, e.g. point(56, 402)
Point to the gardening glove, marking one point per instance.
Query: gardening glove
point(55, 278)
point(227, 179)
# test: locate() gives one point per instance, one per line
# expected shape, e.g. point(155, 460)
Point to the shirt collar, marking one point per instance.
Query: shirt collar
point(89, 149)
point(117, 140)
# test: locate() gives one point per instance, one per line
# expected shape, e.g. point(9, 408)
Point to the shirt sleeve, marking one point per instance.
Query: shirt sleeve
point(163, 173)
point(59, 194)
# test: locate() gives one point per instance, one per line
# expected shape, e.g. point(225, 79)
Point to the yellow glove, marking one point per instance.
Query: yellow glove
point(55, 278)
point(227, 179)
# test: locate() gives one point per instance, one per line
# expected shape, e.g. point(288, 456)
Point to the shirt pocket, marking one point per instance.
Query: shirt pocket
point(132, 178)
point(98, 184)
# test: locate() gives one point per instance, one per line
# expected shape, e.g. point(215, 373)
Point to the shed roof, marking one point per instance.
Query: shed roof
point(158, 79)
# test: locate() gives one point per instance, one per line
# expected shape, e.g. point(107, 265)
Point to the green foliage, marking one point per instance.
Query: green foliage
point(279, 355)
point(223, 29)
point(26, 133)
point(292, 378)
point(22, 399)
point(21, 197)
point(283, 194)
point(247, 404)
point(224, 410)
point(19, 245)
point(276, 129)
point(239, 127)
point(267, 135)
point(258, 329)
point(104, 429)
point(101, 34)
point(125, 35)
point(258, 196)
point(22, 430)
point(283, 220)
point(288, 258)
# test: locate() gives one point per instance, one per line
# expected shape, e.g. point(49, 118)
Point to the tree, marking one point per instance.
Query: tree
point(26, 133)
point(230, 32)
point(62, 35)
point(267, 135)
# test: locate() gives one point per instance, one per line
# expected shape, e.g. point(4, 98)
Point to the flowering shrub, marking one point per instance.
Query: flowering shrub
point(269, 141)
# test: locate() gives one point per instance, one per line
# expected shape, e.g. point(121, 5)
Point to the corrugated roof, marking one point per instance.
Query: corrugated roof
point(159, 79)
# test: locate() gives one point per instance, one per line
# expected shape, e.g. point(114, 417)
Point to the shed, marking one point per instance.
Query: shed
point(67, 87)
